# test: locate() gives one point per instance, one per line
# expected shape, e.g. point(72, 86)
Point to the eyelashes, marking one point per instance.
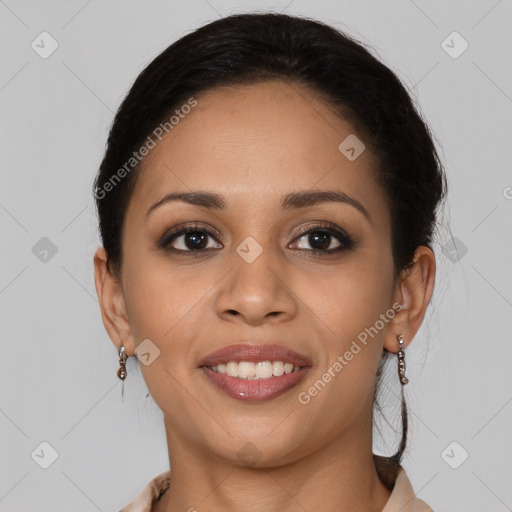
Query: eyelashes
point(327, 231)
point(195, 240)
point(200, 235)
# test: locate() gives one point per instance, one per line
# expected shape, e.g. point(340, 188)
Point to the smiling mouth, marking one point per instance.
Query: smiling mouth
point(255, 373)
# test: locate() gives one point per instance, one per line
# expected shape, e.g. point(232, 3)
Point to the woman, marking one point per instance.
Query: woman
point(267, 203)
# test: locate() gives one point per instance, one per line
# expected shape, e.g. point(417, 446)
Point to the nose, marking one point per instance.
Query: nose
point(257, 293)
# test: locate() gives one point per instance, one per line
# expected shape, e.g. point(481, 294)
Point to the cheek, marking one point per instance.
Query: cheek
point(349, 316)
point(163, 307)
point(351, 311)
point(348, 298)
point(171, 305)
point(160, 297)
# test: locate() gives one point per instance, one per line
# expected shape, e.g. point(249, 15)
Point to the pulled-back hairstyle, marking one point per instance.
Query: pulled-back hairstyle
point(245, 49)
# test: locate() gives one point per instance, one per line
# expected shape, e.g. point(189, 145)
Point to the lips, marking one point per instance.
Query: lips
point(257, 390)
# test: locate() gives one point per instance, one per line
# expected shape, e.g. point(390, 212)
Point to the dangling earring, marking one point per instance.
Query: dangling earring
point(401, 360)
point(121, 372)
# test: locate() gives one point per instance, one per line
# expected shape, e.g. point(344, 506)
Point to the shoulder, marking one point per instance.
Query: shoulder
point(403, 498)
point(153, 490)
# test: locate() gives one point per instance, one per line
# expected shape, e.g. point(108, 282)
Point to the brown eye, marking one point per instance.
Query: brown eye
point(320, 240)
point(325, 239)
point(190, 239)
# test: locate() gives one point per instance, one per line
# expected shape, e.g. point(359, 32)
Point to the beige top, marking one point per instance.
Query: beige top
point(402, 497)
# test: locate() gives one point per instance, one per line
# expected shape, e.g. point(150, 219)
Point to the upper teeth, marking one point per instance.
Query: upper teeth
point(259, 370)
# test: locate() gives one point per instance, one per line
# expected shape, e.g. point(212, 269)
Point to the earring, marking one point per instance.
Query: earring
point(121, 372)
point(401, 360)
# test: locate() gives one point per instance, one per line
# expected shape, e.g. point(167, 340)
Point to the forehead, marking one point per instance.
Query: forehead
point(256, 143)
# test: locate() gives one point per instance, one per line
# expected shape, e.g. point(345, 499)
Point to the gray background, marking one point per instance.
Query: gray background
point(58, 367)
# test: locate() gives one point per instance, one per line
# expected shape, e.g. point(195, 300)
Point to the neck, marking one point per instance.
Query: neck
point(340, 476)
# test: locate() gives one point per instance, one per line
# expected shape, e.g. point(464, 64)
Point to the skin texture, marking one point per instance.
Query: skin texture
point(254, 144)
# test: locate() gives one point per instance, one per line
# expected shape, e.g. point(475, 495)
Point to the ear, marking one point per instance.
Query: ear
point(413, 291)
point(113, 309)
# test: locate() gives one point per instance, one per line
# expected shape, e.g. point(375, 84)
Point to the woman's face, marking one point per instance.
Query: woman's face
point(257, 280)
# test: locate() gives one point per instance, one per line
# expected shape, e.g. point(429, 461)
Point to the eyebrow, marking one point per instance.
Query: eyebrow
point(291, 201)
